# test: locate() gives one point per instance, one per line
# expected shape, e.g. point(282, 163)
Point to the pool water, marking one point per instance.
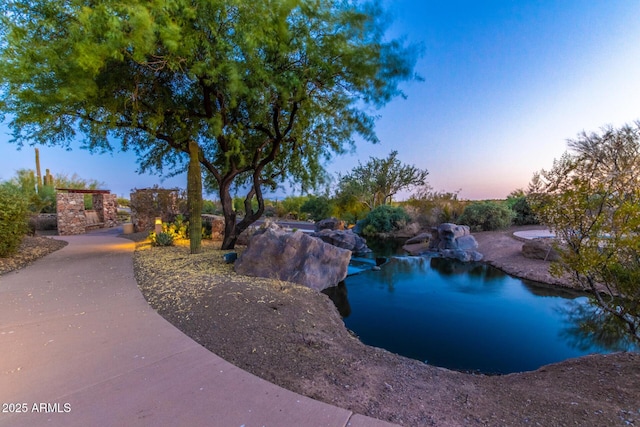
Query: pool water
point(462, 316)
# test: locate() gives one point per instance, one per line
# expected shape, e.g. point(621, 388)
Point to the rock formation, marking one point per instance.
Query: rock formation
point(448, 241)
point(294, 257)
point(329, 224)
point(454, 241)
point(345, 239)
point(540, 249)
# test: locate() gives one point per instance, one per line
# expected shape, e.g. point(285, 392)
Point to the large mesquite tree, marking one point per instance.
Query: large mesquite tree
point(591, 199)
point(376, 182)
point(268, 90)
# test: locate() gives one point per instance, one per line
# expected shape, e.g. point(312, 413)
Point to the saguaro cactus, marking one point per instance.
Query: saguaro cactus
point(38, 173)
point(48, 178)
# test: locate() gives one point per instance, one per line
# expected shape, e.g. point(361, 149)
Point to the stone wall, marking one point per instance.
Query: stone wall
point(71, 214)
point(70, 208)
point(43, 222)
point(217, 225)
point(147, 204)
point(106, 206)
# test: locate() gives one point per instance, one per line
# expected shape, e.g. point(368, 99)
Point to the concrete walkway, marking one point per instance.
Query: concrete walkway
point(79, 346)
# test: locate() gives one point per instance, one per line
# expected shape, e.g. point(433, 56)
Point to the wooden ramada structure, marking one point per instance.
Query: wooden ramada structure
point(74, 219)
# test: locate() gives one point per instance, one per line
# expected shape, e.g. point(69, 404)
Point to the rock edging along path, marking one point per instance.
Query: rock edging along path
point(79, 345)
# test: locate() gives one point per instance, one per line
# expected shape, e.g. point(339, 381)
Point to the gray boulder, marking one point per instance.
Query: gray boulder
point(417, 245)
point(422, 238)
point(454, 241)
point(345, 239)
point(445, 236)
point(329, 224)
point(247, 234)
point(461, 255)
point(294, 257)
point(540, 249)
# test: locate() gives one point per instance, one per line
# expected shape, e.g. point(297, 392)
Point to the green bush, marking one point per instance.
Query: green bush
point(523, 215)
point(179, 229)
point(290, 207)
point(210, 207)
point(318, 208)
point(14, 209)
point(123, 202)
point(162, 239)
point(486, 216)
point(45, 200)
point(384, 219)
point(207, 230)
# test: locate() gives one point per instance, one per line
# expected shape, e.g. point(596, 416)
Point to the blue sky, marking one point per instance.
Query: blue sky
point(506, 83)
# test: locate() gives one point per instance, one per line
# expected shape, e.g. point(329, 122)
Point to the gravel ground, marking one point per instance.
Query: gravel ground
point(30, 250)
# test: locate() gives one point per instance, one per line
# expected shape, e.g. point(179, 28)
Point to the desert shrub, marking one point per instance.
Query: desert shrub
point(318, 208)
point(486, 216)
point(210, 207)
point(123, 216)
point(523, 215)
point(123, 202)
point(384, 219)
point(161, 239)
point(14, 210)
point(238, 205)
point(290, 207)
point(207, 230)
point(47, 200)
point(435, 207)
point(179, 229)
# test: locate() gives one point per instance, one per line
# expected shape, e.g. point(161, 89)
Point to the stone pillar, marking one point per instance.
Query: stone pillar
point(110, 210)
point(71, 219)
point(97, 202)
point(106, 207)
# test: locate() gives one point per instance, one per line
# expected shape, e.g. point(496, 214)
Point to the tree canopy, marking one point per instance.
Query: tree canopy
point(591, 199)
point(376, 182)
point(268, 90)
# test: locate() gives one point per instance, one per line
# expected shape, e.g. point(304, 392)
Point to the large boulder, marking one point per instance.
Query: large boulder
point(422, 238)
point(329, 224)
point(294, 257)
point(417, 245)
point(540, 249)
point(454, 241)
point(445, 236)
point(345, 239)
point(247, 235)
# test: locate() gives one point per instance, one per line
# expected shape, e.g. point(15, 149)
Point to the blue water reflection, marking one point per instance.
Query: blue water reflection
point(469, 317)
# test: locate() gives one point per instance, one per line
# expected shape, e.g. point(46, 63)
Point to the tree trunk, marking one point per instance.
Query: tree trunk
point(194, 198)
point(230, 237)
point(233, 228)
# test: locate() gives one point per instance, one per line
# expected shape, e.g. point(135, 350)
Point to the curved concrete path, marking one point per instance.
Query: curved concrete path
point(80, 346)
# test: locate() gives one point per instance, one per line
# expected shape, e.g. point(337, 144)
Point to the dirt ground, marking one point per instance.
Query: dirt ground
point(504, 251)
point(294, 337)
